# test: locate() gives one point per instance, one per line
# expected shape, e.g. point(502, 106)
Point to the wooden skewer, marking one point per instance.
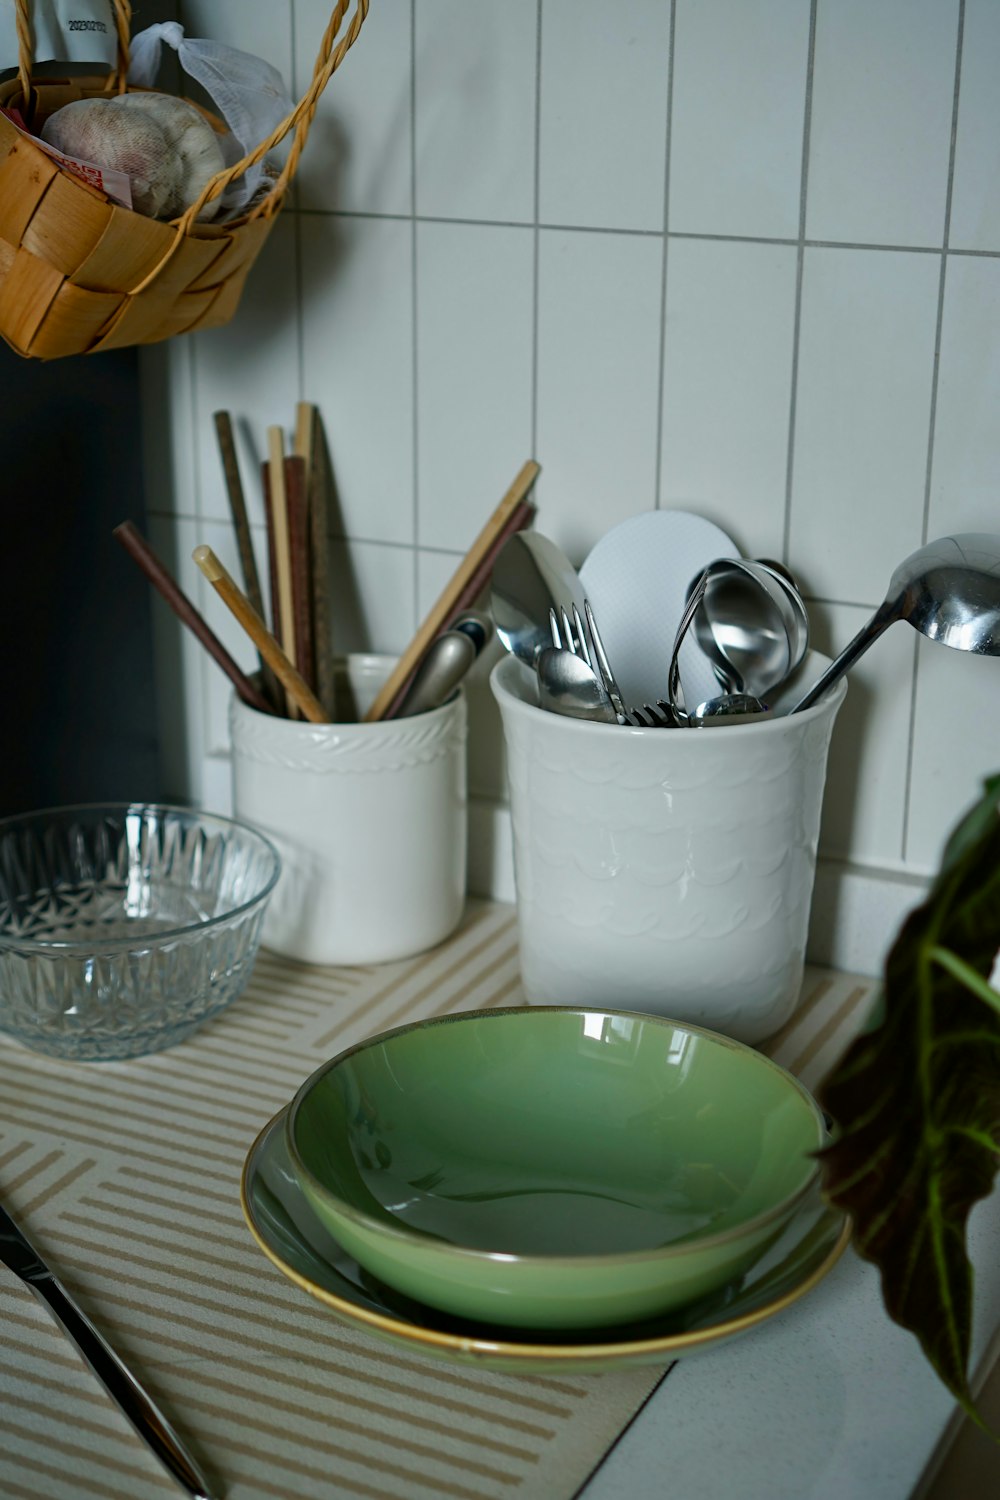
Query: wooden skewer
point(445, 604)
point(142, 553)
point(298, 690)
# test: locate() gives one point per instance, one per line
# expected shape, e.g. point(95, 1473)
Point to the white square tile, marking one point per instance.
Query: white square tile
point(727, 386)
point(250, 368)
point(598, 378)
point(603, 127)
point(372, 597)
point(262, 30)
point(475, 109)
point(866, 361)
point(738, 116)
point(880, 134)
point(965, 471)
point(474, 373)
point(357, 156)
point(956, 744)
point(357, 319)
point(864, 804)
point(169, 450)
point(975, 198)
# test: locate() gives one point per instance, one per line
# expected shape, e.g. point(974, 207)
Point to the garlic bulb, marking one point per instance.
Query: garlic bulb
point(164, 145)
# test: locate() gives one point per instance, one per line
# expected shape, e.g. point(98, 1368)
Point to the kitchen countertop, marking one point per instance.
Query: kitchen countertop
point(127, 1175)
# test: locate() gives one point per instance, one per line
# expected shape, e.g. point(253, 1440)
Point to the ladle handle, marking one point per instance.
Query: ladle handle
point(866, 636)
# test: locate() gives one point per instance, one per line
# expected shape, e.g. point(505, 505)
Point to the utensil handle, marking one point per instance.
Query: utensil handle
point(122, 1386)
point(866, 636)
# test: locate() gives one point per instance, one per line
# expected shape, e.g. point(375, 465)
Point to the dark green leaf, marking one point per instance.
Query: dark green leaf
point(916, 1101)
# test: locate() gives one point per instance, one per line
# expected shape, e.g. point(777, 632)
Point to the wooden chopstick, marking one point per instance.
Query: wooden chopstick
point(241, 525)
point(521, 517)
point(140, 551)
point(237, 507)
point(296, 503)
point(305, 432)
point(279, 522)
point(454, 590)
point(319, 552)
point(298, 690)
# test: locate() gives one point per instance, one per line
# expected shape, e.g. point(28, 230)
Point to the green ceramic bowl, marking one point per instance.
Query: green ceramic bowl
point(551, 1167)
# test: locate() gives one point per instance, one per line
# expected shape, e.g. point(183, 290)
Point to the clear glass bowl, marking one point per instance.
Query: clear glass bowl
point(125, 926)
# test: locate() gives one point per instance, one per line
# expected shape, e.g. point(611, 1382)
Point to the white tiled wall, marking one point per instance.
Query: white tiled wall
point(739, 258)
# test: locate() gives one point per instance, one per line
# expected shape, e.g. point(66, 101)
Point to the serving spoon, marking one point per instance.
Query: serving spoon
point(949, 590)
point(569, 685)
point(531, 577)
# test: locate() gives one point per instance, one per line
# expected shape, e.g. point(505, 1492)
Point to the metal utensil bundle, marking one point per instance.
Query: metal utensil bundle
point(544, 617)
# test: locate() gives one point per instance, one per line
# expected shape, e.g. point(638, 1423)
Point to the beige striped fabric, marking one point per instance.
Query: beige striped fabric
point(127, 1177)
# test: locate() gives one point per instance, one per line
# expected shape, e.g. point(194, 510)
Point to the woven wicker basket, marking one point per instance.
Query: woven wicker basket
point(78, 272)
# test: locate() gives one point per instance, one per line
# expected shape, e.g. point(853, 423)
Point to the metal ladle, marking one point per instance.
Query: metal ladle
point(948, 590)
point(726, 705)
point(752, 625)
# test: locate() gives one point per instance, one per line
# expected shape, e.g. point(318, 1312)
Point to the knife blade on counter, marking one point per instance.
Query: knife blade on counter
point(21, 1257)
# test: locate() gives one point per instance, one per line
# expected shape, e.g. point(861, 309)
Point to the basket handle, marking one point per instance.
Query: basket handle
point(299, 121)
point(26, 46)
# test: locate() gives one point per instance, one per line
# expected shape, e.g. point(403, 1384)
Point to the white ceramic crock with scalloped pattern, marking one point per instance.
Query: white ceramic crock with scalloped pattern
point(668, 871)
point(370, 821)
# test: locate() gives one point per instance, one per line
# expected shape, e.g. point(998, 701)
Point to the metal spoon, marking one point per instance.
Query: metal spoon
point(749, 626)
point(741, 708)
point(948, 590)
point(567, 685)
point(531, 576)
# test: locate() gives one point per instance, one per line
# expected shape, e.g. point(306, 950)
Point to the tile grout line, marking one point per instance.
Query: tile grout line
point(799, 268)
point(414, 325)
point(932, 416)
point(203, 659)
point(662, 371)
point(297, 229)
point(953, 252)
point(528, 225)
point(536, 235)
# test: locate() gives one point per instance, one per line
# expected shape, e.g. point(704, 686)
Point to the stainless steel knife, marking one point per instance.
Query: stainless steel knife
point(21, 1257)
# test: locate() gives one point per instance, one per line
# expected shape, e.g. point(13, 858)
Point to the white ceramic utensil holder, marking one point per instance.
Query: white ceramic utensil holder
point(370, 821)
point(665, 870)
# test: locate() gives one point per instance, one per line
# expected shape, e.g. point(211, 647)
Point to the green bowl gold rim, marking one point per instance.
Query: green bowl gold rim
point(534, 1352)
point(466, 1254)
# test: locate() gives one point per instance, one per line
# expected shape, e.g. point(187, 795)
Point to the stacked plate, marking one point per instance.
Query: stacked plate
point(547, 1185)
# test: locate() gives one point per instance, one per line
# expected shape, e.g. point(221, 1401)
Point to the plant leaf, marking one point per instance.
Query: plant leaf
point(916, 1101)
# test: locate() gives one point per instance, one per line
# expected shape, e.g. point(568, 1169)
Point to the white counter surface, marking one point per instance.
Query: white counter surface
point(831, 1401)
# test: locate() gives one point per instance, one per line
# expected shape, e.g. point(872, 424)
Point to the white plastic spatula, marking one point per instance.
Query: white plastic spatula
point(636, 578)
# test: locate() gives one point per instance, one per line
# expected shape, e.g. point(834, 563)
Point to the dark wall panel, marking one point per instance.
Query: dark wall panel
point(77, 708)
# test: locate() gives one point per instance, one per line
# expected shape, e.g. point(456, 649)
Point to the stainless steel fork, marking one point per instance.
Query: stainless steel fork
point(584, 640)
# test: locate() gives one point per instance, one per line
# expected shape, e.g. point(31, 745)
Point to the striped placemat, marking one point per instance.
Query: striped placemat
point(127, 1176)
